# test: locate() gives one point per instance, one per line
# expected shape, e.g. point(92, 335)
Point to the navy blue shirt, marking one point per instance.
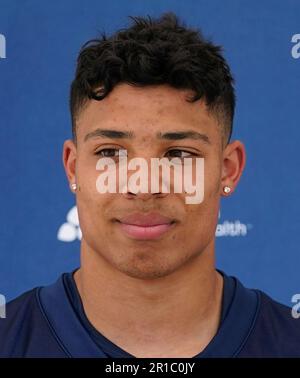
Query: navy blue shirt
point(50, 322)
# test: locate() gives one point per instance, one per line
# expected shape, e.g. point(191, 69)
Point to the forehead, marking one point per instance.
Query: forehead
point(147, 110)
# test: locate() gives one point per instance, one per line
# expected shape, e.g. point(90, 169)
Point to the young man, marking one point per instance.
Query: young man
point(147, 285)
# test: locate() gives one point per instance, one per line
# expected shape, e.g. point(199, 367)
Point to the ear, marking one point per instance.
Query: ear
point(69, 161)
point(234, 160)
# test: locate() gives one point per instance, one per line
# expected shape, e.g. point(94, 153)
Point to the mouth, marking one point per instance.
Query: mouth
point(145, 226)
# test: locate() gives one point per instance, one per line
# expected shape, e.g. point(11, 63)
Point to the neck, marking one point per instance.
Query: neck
point(172, 316)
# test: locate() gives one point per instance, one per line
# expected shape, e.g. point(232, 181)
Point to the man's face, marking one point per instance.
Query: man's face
point(145, 113)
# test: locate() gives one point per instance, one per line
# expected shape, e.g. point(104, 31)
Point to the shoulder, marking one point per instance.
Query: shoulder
point(24, 332)
point(18, 311)
point(275, 332)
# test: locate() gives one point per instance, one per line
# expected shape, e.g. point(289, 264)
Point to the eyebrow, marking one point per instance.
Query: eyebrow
point(178, 135)
point(175, 135)
point(112, 134)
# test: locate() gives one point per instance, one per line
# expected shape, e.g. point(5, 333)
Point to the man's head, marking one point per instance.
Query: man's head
point(151, 90)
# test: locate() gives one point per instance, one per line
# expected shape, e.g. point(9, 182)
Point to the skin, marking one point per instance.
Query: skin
point(153, 298)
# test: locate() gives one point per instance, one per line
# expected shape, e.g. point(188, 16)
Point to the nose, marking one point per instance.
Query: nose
point(140, 184)
point(143, 196)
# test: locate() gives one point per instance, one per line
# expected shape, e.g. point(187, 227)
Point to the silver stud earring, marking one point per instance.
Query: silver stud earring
point(227, 189)
point(73, 187)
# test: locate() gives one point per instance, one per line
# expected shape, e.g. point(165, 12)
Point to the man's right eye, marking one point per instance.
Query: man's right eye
point(107, 152)
point(111, 152)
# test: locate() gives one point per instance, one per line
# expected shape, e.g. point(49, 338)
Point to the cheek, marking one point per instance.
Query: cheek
point(92, 219)
point(212, 179)
point(86, 176)
point(90, 203)
point(202, 218)
point(200, 227)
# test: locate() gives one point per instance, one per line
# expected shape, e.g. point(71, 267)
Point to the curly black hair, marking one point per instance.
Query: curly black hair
point(155, 51)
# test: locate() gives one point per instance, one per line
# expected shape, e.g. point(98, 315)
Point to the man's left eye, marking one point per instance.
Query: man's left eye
point(180, 153)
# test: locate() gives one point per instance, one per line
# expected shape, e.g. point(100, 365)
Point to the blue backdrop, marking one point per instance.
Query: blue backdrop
point(258, 235)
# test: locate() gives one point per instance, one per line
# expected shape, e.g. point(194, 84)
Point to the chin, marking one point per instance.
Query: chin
point(148, 269)
point(144, 274)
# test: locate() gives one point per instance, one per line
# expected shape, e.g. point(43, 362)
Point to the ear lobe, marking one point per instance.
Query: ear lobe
point(234, 161)
point(69, 160)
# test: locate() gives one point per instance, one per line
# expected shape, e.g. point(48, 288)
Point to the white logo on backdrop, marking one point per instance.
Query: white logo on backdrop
point(70, 230)
point(295, 51)
point(232, 228)
point(296, 308)
point(2, 306)
point(2, 47)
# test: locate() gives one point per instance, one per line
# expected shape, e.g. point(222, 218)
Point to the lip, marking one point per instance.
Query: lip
point(145, 220)
point(145, 226)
